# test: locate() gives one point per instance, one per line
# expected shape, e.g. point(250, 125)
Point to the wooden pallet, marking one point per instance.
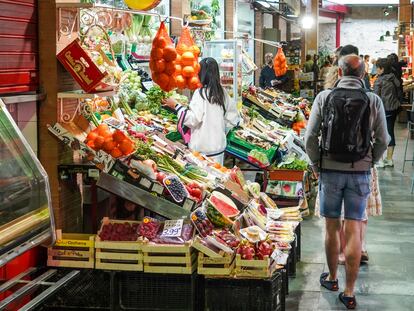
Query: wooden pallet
point(118, 255)
point(163, 258)
point(223, 266)
point(72, 250)
point(254, 268)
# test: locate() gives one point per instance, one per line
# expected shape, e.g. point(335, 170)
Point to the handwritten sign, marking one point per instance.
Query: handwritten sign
point(279, 257)
point(172, 228)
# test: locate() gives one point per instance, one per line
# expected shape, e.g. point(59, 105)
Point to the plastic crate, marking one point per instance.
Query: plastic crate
point(150, 291)
point(292, 260)
point(90, 290)
point(245, 294)
point(242, 147)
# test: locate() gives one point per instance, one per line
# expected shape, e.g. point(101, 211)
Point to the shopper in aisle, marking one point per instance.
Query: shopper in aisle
point(373, 71)
point(308, 66)
point(344, 172)
point(267, 75)
point(332, 76)
point(387, 86)
point(325, 70)
point(210, 115)
point(366, 62)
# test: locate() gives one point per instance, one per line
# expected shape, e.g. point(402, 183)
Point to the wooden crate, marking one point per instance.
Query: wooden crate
point(118, 255)
point(216, 266)
point(163, 258)
point(254, 268)
point(72, 250)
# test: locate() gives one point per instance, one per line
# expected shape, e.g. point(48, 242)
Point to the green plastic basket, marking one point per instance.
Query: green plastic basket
point(242, 147)
point(174, 136)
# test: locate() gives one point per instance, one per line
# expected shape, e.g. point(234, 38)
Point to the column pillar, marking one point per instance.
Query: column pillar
point(230, 7)
point(311, 35)
point(404, 12)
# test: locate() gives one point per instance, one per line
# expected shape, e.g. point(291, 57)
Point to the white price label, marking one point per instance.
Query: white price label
point(147, 84)
point(145, 183)
point(279, 257)
point(172, 228)
point(273, 213)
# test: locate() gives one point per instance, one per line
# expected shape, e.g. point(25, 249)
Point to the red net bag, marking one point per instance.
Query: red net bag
point(162, 60)
point(186, 64)
point(279, 63)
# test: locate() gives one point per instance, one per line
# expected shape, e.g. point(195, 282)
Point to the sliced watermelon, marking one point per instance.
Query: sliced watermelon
point(222, 206)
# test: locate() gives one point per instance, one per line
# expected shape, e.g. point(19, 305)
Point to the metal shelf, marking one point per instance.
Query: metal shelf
point(141, 197)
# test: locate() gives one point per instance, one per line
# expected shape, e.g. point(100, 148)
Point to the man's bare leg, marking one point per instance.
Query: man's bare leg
point(332, 245)
point(352, 254)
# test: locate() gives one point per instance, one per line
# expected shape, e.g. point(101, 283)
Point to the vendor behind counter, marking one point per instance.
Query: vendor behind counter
point(268, 77)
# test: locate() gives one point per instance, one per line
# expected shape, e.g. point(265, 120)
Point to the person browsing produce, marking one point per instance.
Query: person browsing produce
point(210, 115)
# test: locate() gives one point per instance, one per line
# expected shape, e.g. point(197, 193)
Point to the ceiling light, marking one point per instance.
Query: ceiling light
point(387, 33)
point(307, 22)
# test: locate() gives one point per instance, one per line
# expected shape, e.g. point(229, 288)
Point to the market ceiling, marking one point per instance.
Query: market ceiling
point(366, 2)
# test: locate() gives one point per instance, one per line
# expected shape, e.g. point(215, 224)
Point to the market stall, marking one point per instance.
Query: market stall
point(201, 221)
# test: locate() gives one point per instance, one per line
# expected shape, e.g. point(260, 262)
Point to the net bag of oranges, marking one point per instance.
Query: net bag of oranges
point(279, 63)
point(163, 55)
point(186, 64)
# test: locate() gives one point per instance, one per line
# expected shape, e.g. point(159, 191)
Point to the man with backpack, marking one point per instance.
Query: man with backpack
point(350, 125)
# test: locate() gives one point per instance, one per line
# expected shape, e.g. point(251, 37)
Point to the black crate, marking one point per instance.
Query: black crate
point(298, 233)
point(153, 291)
point(292, 260)
point(89, 290)
point(244, 294)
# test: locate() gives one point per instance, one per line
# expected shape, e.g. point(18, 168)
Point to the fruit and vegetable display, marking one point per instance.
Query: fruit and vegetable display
point(162, 63)
point(279, 63)
point(186, 64)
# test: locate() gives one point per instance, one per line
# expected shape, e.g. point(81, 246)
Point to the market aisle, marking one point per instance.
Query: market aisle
point(387, 282)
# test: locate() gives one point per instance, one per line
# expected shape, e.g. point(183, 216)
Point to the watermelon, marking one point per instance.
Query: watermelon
point(224, 204)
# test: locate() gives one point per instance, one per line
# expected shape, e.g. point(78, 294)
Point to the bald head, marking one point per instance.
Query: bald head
point(351, 65)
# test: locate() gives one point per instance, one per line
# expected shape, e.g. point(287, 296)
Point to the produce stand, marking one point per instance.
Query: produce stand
point(207, 233)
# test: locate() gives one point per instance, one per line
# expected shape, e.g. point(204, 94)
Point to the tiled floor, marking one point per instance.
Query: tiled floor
point(387, 282)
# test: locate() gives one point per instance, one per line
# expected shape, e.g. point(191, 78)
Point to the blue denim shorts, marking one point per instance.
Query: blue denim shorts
point(352, 189)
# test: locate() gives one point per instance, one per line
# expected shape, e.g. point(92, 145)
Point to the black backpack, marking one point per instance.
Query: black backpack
point(346, 133)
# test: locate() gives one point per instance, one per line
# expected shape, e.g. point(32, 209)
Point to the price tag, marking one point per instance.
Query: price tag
point(172, 228)
point(157, 188)
point(279, 257)
point(145, 183)
point(147, 84)
point(93, 173)
point(188, 204)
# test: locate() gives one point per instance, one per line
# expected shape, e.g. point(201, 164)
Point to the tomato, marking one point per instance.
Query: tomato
point(91, 136)
point(99, 141)
point(102, 129)
point(118, 136)
point(109, 144)
point(116, 153)
point(126, 146)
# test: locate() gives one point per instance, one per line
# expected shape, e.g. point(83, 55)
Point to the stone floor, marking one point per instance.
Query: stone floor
point(387, 281)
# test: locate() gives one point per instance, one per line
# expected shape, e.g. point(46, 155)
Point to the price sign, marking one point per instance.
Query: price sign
point(172, 228)
point(279, 257)
point(273, 213)
point(147, 84)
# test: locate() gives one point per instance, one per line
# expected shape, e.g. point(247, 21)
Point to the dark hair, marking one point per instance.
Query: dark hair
point(326, 63)
point(385, 64)
point(366, 57)
point(210, 80)
point(393, 58)
point(352, 65)
point(349, 49)
point(308, 57)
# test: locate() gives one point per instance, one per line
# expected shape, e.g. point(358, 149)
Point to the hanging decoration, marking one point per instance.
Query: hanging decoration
point(142, 5)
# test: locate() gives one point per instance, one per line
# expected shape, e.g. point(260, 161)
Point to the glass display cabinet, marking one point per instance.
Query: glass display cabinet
point(26, 217)
point(227, 53)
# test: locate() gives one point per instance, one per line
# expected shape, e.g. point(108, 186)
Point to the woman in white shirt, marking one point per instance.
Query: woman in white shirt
point(211, 113)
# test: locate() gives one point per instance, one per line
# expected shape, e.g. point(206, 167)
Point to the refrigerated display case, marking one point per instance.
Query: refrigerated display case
point(26, 217)
point(227, 53)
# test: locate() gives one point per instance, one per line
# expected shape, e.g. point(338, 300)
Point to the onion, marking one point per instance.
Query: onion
point(147, 39)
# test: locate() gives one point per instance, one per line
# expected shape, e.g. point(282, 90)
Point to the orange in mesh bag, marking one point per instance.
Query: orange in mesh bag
point(186, 64)
point(279, 63)
point(163, 56)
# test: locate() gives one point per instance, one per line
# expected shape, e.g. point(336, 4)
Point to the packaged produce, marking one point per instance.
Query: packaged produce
point(163, 55)
point(176, 188)
point(227, 237)
point(201, 222)
point(224, 204)
point(149, 228)
point(217, 218)
point(246, 250)
point(253, 234)
point(186, 235)
point(186, 64)
point(279, 63)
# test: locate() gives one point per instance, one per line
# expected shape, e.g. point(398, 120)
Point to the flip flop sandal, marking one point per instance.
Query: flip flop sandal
point(331, 285)
point(349, 302)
